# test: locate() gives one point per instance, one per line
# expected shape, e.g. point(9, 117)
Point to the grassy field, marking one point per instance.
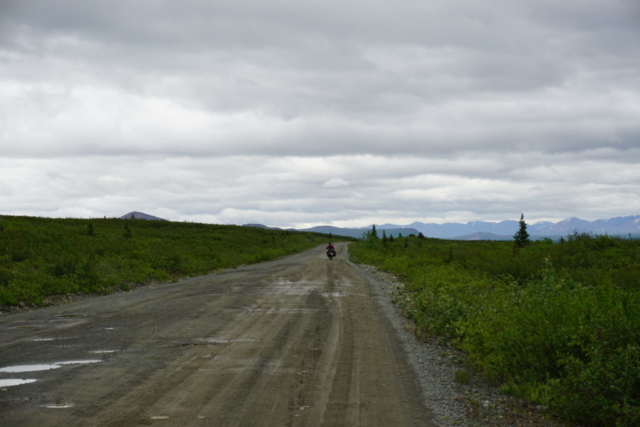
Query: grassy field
point(555, 323)
point(40, 257)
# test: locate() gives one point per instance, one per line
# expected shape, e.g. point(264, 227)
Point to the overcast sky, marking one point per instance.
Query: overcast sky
point(301, 113)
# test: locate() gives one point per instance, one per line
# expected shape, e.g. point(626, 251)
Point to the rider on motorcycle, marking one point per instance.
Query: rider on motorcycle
point(331, 251)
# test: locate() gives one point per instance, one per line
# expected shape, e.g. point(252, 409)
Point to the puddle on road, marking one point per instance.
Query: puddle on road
point(159, 417)
point(59, 406)
point(45, 366)
point(30, 368)
point(52, 339)
point(220, 341)
point(102, 351)
point(13, 382)
point(79, 362)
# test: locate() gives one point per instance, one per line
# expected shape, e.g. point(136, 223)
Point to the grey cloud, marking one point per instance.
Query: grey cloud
point(309, 112)
point(188, 189)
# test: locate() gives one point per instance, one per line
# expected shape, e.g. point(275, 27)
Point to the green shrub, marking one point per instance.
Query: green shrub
point(558, 324)
point(43, 256)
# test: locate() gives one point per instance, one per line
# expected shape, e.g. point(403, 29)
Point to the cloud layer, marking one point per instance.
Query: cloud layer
point(301, 113)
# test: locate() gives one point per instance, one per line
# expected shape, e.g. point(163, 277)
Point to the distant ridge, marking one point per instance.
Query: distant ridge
point(141, 215)
point(347, 232)
point(483, 236)
point(266, 227)
point(358, 232)
point(628, 226)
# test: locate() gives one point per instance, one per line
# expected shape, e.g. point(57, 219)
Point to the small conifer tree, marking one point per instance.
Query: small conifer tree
point(521, 238)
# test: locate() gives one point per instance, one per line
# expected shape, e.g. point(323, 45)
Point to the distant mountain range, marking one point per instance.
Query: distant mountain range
point(475, 230)
point(397, 231)
point(348, 232)
point(504, 230)
point(141, 215)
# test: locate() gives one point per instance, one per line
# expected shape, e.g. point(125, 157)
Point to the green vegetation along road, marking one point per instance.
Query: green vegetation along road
point(557, 324)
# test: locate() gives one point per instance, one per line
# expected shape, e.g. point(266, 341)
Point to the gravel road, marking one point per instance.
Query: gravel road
point(301, 341)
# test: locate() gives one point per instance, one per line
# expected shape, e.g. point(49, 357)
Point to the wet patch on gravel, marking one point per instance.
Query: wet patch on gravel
point(59, 405)
point(80, 362)
point(10, 382)
point(45, 366)
point(30, 368)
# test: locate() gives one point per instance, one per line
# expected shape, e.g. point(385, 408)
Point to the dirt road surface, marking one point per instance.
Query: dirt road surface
point(294, 342)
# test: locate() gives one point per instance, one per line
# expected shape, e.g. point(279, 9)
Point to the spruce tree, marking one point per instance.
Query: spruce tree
point(521, 238)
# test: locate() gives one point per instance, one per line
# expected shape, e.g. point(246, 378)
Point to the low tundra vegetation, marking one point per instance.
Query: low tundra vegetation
point(555, 323)
point(40, 257)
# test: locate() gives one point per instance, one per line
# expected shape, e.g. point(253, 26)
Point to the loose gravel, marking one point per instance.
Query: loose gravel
point(456, 395)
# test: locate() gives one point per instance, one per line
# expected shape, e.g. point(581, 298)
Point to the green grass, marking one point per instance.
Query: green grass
point(555, 323)
point(40, 257)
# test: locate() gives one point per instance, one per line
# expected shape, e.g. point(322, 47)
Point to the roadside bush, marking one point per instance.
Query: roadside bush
point(451, 296)
point(557, 324)
point(601, 388)
point(43, 256)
